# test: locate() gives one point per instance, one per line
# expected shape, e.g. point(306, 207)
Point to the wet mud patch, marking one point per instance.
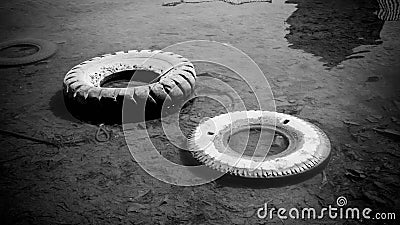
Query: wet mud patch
point(331, 29)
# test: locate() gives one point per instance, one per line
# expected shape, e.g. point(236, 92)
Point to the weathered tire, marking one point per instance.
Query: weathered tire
point(87, 100)
point(45, 50)
point(309, 148)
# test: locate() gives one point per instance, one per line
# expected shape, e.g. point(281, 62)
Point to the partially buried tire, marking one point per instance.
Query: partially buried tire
point(166, 78)
point(45, 49)
point(307, 151)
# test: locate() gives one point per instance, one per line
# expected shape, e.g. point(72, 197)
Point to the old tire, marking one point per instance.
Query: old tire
point(45, 50)
point(87, 100)
point(309, 148)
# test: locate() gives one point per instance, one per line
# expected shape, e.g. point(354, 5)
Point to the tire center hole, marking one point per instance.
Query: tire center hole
point(129, 78)
point(17, 51)
point(237, 141)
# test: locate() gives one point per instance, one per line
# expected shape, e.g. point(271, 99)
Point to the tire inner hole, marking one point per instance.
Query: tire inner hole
point(237, 141)
point(129, 78)
point(17, 51)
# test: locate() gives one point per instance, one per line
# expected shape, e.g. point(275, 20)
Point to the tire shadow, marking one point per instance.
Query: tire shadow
point(90, 114)
point(58, 108)
point(263, 183)
point(228, 180)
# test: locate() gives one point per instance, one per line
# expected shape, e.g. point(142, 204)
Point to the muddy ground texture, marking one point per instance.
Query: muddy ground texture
point(332, 63)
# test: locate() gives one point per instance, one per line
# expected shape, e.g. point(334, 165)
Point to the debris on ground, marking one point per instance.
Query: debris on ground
point(351, 123)
point(19, 135)
point(372, 79)
point(137, 207)
point(389, 132)
point(102, 134)
point(371, 119)
point(355, 174)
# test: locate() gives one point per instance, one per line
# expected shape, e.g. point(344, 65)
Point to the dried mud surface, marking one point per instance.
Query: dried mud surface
point(302, 52)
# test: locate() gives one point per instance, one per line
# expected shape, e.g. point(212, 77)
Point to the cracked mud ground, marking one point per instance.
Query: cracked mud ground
point(306, 50)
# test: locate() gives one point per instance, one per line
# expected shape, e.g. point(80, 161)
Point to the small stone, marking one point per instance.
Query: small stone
point(61, 41)
point(372, 79)
point(371, 119)
point(340, 66)
point(136, 207)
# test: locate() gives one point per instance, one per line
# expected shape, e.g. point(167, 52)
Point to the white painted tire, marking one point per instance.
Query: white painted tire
point(309, 147)
point(86, 98)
